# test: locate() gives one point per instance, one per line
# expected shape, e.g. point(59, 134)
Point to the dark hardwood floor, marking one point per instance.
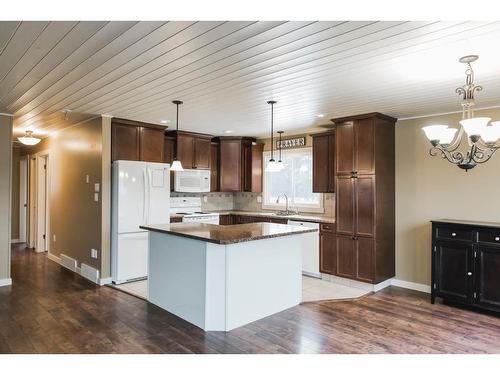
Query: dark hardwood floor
point(51, 310)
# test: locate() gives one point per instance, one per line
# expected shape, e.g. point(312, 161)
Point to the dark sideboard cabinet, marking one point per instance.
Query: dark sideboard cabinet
point(466, 263)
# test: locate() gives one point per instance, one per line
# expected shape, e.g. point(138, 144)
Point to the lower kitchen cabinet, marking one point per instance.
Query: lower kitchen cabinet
point(345, 256)
point(466, 263)
point(364, 259)
point(327, 249)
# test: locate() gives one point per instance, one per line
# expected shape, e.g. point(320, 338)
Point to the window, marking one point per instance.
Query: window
point(295, 180)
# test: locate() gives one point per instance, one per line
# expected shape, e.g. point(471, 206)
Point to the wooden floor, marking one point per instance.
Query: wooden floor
point(51, 310)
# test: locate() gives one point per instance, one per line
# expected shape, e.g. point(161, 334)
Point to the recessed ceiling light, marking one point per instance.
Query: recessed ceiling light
point(165, 121)
point(320, 115)
point(228, 131)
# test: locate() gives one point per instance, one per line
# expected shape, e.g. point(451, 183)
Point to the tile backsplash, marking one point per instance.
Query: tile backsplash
point(245, 202)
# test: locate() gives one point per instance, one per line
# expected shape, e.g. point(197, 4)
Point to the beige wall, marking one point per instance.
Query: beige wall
point(75, 218)
point(430, 188)
point(5, 194)
point(16, 153)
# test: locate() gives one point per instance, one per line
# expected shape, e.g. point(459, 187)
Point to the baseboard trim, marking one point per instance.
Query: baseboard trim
point(5, 282)
point(105, 281)
point(411, 285)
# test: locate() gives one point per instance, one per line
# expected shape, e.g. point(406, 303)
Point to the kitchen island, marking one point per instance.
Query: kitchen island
point(222, 277)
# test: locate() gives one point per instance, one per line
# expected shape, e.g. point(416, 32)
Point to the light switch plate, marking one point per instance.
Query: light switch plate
point(93, 253)
point(259, 198)
point(54, 237)
point(97, 187)
point(205, 199)
point(87, 179)
point(96, 197)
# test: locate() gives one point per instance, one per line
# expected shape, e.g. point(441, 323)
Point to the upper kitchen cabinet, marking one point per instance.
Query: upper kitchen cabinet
point(193, 149)
point(134, 140)
point(360, 142)
point(324, 162)
point(240, 165)
point(214, 166)
point(168, 149)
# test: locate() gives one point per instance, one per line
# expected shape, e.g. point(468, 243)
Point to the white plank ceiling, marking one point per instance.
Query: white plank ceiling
point(226, 71)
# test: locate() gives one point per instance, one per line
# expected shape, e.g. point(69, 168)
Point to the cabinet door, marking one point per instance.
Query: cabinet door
point(321, 163)
point(327, 253)
point(257, 168)
point(453, 263)
point(365, 259)
point(185, 150)
point(202, 153)
point(230, 165)
point(345, 256)
point(168, 149)
point(151, 145)
point(214, 167)
point(125, 142)
point(487, 277)
point(344, 148)
point(345, 205)
point(364, 146)
point(246, 167)
point(365, 205)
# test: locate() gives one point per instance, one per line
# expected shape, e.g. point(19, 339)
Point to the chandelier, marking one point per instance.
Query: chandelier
point(482, 136)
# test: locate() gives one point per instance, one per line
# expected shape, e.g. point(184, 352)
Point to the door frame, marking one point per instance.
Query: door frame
point(42, 156)
point(23, 198)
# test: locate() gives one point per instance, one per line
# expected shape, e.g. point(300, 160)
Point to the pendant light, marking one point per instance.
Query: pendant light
point(272, 166)
point(280, 164)
point(28, 139)
point(176, 164)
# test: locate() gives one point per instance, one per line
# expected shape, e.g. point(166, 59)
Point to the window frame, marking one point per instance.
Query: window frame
point(266, 205)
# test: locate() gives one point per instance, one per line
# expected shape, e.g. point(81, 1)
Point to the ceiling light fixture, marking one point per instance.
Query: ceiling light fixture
point(228, 131)
point(165, 121)
point(280, 162)
point(272, 166)
point(320, 115)
point(482, 138)
point(176, 164)
point(28, 139)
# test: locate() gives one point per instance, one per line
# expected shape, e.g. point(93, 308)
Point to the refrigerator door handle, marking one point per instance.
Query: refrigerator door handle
point(144, 197)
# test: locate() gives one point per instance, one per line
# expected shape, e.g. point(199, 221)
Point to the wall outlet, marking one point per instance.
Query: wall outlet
point(87, 179)
point(259, 198)
point(205, 199)
point(54, 237)
point(93, 253)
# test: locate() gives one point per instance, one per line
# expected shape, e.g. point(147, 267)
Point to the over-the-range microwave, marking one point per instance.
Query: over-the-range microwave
point(192, 181)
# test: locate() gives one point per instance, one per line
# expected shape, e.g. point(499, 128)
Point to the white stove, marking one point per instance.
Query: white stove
point(190, 208)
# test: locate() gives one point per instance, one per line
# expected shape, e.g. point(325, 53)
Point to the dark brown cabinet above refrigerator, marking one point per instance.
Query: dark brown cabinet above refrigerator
point(324, 162)
point(134, 140)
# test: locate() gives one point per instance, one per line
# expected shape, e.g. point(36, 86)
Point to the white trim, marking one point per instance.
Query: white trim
point(15, 240)
point(446, 113)
point(105, 281)
point(6, 114)
point(411, 285)
point(5, 282)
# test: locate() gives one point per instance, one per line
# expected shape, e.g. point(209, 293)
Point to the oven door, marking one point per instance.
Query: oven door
point(192, 181)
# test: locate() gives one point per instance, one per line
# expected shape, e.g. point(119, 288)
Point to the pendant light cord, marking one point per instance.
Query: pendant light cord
point(177, 103)
point(272, 102)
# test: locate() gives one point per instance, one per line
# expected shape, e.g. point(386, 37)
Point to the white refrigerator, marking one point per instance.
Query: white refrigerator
point(140, 195)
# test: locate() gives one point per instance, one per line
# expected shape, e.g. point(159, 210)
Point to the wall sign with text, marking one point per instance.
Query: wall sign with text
point(291, 143)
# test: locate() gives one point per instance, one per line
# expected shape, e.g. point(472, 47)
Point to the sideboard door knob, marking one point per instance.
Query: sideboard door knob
point(453, 234)
point(469, 273)
point(497, 238)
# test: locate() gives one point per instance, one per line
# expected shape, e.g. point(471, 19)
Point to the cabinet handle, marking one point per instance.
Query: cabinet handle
point(453, 234)
point(469, 273)
point(497, 238)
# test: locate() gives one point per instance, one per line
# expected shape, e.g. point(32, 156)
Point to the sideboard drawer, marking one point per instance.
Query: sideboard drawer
point(491, 237)
point(448, 233)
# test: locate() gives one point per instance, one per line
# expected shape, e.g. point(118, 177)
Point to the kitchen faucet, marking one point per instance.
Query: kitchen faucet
point(287, 211)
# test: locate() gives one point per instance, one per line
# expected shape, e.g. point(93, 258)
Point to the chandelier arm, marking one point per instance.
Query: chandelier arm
point(456, 158)
point(457, 140)
point(485, 155)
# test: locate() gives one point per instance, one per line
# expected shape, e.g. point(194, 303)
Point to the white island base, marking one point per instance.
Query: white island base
point(222, 287)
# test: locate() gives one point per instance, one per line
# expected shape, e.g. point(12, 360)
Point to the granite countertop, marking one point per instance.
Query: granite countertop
point(228, 234)
point(299, 217)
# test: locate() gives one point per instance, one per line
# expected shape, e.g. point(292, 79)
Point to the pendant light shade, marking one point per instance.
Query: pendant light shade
point(176, 164)
point(28, 139)
point(272, 166)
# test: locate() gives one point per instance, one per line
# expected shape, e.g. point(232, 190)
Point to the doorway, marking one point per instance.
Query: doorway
point(38, 206)
point(23, 198)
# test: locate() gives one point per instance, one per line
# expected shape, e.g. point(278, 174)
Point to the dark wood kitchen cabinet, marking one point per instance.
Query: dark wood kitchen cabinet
point(466, 263)
point(239, 165)
point(134, 140)
point(193, 149)
point(214, 166)
point(168, 149)
point(364, 195)
point(327, 246)
point(323, 162)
